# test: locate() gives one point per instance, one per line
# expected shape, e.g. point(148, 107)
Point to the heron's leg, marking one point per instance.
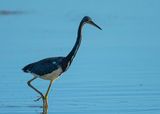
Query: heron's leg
point(46, 95)
point(29, 84)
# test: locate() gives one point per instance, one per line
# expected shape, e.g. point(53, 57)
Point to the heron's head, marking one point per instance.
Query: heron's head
point(88, 20)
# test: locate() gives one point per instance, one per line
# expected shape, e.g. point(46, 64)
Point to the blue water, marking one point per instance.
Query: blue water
point(116, 71)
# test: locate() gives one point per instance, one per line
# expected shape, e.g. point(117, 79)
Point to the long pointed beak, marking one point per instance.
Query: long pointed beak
point(92, 23)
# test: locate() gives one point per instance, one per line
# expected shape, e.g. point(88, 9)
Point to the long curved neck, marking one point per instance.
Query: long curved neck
point(74, 50)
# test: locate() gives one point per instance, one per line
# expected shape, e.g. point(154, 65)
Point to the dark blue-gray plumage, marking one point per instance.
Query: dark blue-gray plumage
point(44, 66)
point(51, 68)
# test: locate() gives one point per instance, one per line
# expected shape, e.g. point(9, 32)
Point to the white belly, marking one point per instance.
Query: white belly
point(51, 76)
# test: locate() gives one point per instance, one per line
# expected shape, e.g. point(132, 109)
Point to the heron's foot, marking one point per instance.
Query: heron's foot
point(38, 99)
point(45, 103)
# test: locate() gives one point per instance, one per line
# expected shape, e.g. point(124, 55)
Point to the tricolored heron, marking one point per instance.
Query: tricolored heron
point(52, 68)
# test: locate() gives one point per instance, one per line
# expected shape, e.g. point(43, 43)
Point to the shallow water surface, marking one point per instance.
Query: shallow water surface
point(116, 71)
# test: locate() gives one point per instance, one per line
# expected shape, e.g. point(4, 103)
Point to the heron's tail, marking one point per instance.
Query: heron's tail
point(27, 68)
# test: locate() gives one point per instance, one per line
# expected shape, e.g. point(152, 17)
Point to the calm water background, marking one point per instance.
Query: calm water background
point(116, 71)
